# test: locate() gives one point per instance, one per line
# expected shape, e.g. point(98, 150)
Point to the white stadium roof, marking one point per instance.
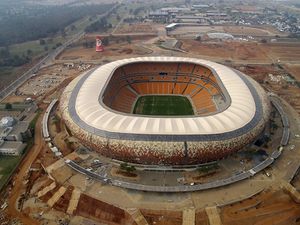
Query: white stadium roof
point(92, 112)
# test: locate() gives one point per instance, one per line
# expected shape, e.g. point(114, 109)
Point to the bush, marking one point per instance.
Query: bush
point(42, 42)
point(8, 106)
point(127, 168)
point(208, 168)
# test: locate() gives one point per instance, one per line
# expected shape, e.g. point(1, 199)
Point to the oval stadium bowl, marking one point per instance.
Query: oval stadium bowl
point(165, 110)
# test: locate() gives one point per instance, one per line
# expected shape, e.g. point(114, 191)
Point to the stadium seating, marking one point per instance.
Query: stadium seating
point(133, 80)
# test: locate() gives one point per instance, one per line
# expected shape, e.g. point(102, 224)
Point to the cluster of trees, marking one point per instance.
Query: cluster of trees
point(133, 19)
point(138, 10)
point(38, 22)
point(8, 106)
point(208, 168)
point(127, 168)
point(99, 26)
point(8, 59)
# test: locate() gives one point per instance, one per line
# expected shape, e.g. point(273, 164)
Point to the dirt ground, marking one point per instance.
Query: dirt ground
point(249, 52)
point(226, 50)
point(294, 70)
point(13, 99)
point(285, 52)
point(8, 79)
point(101, 211)
point(296, 182)
point(63, 202)
point(136, 28)
point(261, 73)
point(201, 218)
point(263, 209)
point(47, 79)
point(290, 93)
point(251, 31)
point(162, 217)
point(82, 53)
point(234, 30)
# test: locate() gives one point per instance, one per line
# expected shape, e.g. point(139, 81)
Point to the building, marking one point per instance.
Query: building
point(7, 121)
point(174, 9)
point(215, 14)
point(200, 6)
point(12, 134)
point(191, 19)
point(159, 16)
point(229, 110)
point(11, 148)
point(171, 26)
point(16, 132)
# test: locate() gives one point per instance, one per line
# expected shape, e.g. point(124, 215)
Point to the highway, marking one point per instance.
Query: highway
point(47, 60)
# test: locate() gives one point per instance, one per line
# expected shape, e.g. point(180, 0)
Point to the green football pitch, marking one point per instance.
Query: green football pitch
point(163, 105)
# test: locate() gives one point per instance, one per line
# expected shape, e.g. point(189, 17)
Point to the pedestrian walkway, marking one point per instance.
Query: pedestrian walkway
point(137, 216)
point(188, 216)
point(213, 215)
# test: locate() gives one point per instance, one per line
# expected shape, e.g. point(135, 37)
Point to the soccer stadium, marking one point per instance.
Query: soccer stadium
point(165, 110)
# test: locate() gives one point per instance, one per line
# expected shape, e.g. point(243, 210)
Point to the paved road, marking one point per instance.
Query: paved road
point(185, 188)
point(47, 60)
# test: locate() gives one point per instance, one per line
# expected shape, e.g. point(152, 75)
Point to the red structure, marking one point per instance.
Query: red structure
point(99, 46)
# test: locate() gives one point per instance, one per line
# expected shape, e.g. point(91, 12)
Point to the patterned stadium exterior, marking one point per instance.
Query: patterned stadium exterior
point(165, 140)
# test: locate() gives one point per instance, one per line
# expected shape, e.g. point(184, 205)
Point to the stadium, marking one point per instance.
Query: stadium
point(165, 110)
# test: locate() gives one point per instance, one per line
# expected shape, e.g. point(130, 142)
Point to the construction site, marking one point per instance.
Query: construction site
point(45, 190)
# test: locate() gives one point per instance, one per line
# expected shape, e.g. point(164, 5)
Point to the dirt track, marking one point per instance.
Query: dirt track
point(19, 179)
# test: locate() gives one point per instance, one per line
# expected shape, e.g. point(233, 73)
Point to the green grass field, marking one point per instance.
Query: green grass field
point(163, 105)
point(7, 165)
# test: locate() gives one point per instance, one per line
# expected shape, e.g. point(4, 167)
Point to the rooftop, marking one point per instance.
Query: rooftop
point(11, 145)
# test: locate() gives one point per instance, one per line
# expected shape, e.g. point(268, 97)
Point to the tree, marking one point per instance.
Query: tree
point(73, 27)
point(4, 53)
point(127, 168)
point(264, 40)
point(105, 41)
point(29, 52)
point(128, 39)
point(198, 38)
point(42, 42)
point(8, 106)
point(63, 33)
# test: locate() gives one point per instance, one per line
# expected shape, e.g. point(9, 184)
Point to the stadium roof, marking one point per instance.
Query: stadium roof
point(86, 104)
